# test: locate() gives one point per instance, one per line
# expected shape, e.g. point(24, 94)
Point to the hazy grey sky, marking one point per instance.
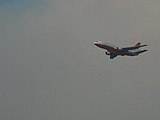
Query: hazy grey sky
point(51, 70)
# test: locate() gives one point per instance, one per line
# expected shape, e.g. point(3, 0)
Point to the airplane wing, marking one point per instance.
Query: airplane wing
point(132, 48)
point(113, 55)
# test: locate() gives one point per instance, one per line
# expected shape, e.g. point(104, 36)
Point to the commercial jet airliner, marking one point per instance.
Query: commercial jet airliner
point(114, 51)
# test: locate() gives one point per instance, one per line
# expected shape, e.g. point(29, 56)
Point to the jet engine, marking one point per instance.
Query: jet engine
point(107, 53)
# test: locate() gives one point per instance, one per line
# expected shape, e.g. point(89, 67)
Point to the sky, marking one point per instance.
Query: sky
point(51, 69)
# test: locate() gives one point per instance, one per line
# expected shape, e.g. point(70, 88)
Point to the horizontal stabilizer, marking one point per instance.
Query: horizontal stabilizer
point(141, 51)
point(132, 48)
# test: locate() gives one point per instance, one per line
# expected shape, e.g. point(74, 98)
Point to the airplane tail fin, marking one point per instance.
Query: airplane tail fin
point(138, 44)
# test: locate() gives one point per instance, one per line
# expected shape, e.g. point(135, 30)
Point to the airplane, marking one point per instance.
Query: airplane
point(114, 51)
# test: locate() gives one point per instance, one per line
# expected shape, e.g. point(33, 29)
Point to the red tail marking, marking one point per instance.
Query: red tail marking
point(138, 44)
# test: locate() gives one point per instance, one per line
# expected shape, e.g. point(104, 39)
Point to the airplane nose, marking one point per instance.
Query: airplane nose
point(96, 42)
